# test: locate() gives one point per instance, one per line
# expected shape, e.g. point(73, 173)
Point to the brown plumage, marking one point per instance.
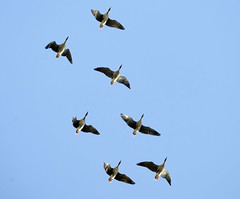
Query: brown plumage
point(105, 20)
point(60, 49)
point(114, 174)
point(158, 169)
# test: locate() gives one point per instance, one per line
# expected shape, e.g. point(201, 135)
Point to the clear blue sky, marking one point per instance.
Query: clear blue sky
point(182, 61)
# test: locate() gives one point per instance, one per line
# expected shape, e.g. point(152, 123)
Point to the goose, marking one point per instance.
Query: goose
point(60, 49)
point(114, 75)
point(138, 127)
point(105, 20)
point(114, 174)
point(159, 169)
point(81, 126)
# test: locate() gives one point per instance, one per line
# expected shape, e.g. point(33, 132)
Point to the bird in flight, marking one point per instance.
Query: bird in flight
point(158, 169)
point(114, 174)
point(60, 49)
point(114, 75)
point(105, 20)
point(138, 127)
point(81, 126)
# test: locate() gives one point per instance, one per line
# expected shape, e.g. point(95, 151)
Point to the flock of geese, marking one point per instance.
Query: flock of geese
point(80, 125)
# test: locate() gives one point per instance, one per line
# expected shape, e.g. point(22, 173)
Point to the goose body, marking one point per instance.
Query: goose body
point(158, 169)
point(80, 125)
point(114, 75)
point(105, 20)
point(114, 174)
point(60, 49)
point(138, 127)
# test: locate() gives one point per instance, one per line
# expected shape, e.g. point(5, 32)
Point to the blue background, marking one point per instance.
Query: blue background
point(182, 61)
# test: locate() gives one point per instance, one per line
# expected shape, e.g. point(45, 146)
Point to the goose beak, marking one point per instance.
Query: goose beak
point(66, 39)
point(119, 163)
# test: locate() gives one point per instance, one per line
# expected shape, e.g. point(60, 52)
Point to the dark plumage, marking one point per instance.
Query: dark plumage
point(81, 126)
point(138, 127)
point(114, 75)
point(158, 169)
point(105, 20)
point(60, 50)
point(114, 174)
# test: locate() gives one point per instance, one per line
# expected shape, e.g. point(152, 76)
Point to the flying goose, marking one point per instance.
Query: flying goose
point(138, 127)
point(114, 75)
point(159, 169)
point(105, 20)
point(60, 49)
point(81, 126)
point(114, 174)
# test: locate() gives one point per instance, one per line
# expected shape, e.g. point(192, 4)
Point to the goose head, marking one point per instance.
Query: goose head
point(85, 116)
point(119, 163)
point(66, 39)
point(108, 10)
point(120, 67)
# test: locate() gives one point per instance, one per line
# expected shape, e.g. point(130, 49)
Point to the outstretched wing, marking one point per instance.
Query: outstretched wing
point(53, 45)
point(97, 15)
point(130, 122)
point(165, 174)
point(76, 123)
point(150, 165)
point(67, 53)
point(108, 168)
point(90, 128)
point(123, 80)
point(114, 24)
point(124, 178)
point(105, 70)
point(148, 130)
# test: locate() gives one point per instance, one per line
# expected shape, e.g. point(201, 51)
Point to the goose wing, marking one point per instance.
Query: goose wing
point(53, 45)
point(165, 174)
point(130, 122)
point(114, 24)
point(108, 168)
point(148, 130)
point(123, 80)
point(67, 53)
point(150, 165)
point(76, 123)
point(97, 15)
point(90, 128)
point(124, 178)
point(105, 70)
